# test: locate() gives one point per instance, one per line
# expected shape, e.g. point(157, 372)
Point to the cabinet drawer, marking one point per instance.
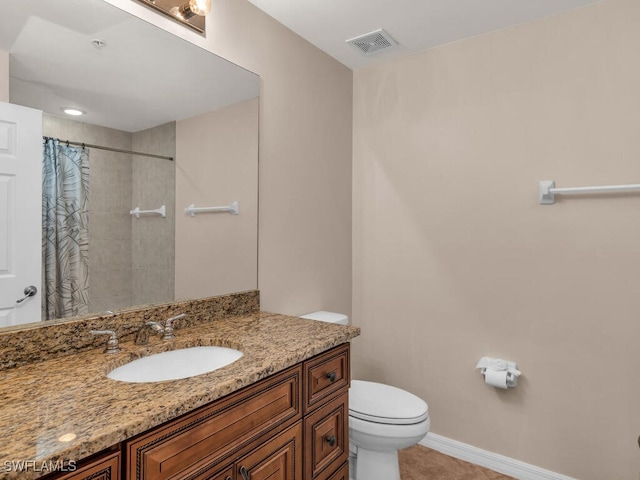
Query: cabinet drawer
point(327, 438)
point(199, 439)
point(326, 375)
point(106, 467)
point(278, 459)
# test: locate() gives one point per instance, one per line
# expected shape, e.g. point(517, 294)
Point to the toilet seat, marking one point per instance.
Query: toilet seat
point(379, 403)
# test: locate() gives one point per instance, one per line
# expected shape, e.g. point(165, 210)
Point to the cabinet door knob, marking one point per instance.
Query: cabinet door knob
point(331, 440)
point(244, 473)
point(331, 376)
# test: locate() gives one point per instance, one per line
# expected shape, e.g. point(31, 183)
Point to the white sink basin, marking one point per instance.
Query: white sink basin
point(175, 364)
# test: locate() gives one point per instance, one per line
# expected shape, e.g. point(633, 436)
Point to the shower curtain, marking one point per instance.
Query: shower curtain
point(65, 230)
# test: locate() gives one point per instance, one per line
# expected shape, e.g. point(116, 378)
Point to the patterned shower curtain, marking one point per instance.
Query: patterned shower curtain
point(65, 230)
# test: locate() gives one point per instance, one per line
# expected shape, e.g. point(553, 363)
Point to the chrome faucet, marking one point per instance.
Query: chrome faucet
point(112, 343)
point(168, 327)
point(142, 335)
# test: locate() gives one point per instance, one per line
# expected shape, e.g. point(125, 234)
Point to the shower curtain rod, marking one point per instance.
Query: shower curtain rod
point(111, 149)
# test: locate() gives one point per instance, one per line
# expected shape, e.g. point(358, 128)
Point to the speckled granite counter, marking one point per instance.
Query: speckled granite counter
point(44, 401)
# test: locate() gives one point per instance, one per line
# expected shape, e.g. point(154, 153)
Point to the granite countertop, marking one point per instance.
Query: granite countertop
point(44, 402)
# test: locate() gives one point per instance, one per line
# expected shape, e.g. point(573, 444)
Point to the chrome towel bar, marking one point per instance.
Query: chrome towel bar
point(162, 211)
point(233, 209)
point(547, 190)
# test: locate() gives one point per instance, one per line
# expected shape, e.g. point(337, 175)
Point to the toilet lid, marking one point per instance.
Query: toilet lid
point(379, 403)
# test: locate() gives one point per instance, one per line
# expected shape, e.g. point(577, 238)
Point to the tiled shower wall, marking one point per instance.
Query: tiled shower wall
point(153, 238)
point(117, 184)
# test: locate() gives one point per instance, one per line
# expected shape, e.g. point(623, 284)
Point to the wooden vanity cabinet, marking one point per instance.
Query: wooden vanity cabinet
point(292, 425)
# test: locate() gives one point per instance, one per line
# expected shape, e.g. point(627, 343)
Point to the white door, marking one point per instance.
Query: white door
point(20, 213)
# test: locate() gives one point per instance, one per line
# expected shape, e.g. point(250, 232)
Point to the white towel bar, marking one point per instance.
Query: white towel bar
point(233, 209)
point(136, 212)
point(547, 190)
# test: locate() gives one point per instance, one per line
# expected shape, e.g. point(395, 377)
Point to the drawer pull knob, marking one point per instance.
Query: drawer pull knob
point(244, 473)
point(228, 478)
point(331, 440)
point(331, 376)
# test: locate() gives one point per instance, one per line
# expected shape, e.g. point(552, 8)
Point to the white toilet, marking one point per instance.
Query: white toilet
point(382, 420)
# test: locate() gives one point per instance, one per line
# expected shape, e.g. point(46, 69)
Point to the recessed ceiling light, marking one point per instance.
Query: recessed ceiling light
point(72, 111)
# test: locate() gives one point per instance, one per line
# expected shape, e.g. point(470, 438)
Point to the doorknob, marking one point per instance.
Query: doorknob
point(29, 291)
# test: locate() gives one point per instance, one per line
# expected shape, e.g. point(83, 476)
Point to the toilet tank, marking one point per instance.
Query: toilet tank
point(330, 317)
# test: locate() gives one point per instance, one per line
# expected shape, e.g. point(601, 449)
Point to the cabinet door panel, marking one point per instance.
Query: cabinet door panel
point(327, 437)
point(278, 459)
point(342, 474)
point(203, 438)
point(102, 468)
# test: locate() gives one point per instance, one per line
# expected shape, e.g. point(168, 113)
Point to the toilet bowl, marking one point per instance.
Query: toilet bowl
point(382, 420)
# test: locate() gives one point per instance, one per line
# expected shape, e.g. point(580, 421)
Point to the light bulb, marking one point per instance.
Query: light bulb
point(193, 7)
point(200, 7)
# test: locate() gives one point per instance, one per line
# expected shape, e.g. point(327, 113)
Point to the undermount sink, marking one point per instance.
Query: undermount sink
point(175, 364)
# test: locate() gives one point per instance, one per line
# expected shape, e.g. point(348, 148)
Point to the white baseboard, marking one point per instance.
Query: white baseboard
point(499, 463)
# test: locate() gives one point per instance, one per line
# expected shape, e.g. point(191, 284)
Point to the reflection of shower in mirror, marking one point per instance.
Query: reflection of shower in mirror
point(125, 113)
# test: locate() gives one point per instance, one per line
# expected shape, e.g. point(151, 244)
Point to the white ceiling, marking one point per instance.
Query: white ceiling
point(415, 24)
point(144, 77)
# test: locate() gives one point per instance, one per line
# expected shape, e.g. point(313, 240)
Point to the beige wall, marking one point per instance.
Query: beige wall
point(305, 160)
point(455, 259)
point(4, 76)
point(305, 155)
point(217, 164)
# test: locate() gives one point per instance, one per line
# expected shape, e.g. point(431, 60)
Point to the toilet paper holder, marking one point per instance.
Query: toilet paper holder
point(499, 373)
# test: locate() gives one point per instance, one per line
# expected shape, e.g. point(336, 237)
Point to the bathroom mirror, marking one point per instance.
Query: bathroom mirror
point(144, 90)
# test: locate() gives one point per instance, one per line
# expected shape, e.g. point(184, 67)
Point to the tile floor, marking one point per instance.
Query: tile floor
point(421, 463)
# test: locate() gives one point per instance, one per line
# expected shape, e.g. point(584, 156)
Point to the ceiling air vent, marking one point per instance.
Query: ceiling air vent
point(373, 42)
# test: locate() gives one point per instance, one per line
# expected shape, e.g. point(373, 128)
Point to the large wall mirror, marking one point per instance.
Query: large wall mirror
point(179, 127)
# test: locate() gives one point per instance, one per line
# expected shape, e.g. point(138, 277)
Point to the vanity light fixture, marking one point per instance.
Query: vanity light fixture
point(72, 111)
point(188, 12)
point(191, 8)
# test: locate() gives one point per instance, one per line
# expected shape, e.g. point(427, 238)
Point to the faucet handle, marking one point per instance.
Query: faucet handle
point(168, 327)
point(112, 343)
point(155, 326)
